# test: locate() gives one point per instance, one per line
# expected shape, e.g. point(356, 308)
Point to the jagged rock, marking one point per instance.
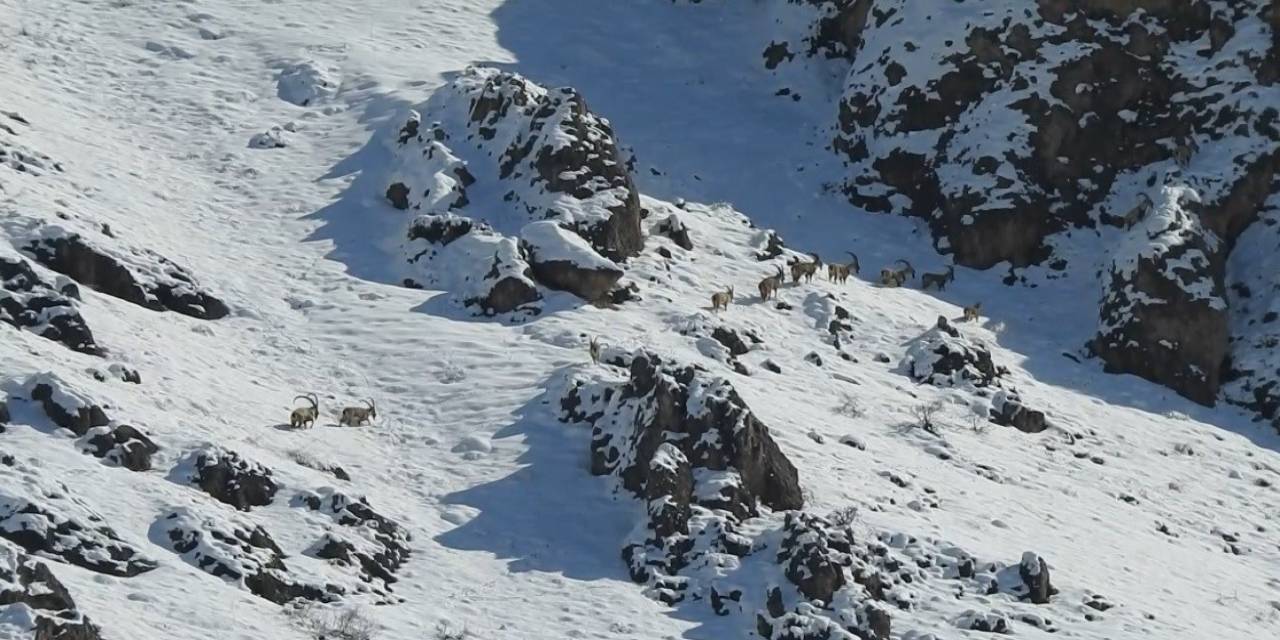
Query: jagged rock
point(1035, 575)
point(479, 266)
point(1164, 311)
point(770, 245)
point(232, 479)
point(563, 261)
point(1007, 410)
point(557, 160)
point(943, 356)
point(732, 341)
point(237, 551)
point(673, 228)
point(709, 461)
point(44, 519)
point(53, 613)
point(121, 445)
point(369, 540)
point(65, 404)
point(140, 276)
point(810, 562)
point(29, 302)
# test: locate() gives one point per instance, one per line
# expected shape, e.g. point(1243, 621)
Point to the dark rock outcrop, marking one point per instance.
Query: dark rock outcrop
point(673, 227)
point(140, 276)
point(66, 405)
point(479, 266)
point(45, 519)
point(1164, 309)
point(562, 261)
point(122, 445)
point(1009, 411)
point(943, 356)
point(237, 551)
point(231, 479)
point(368, 540)
point(29, 582)
point(46, 309)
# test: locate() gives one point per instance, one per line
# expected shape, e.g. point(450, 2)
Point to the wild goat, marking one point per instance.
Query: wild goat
point(771, 284)
point(841, 272)
point(805, 270)
point(721, 299)
point(1139, 211)
point(594, 349)
point(897, 277)
point(356, 416)
point(972, 311)
point(938, 280)
point(305, 416)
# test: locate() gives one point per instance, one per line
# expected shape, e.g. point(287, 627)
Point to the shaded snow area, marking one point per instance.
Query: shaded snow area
point(475, 319)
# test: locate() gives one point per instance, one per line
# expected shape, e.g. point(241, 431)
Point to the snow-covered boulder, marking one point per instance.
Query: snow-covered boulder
point(549, 155)
point(1008, 410)
point(66, 404)
point(366, 540)
point(47, 309)
point(121, 445)
point(240, 552)
point(564, 261)
point(478, 266)
point(944, 357)
point(1164, 307)
point(272, 138)
point(36, 604)
point(306, 83)
point(140, 276)
point(45, 519)
point(232, 479)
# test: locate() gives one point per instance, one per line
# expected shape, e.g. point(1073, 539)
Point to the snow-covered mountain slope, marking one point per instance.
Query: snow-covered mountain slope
point(198, 224)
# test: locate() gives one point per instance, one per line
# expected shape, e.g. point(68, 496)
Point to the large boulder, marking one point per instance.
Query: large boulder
point(140, 276)
point(43, 307)
point(232, 479)
point(564, 261)
point(944, 357)
point(479, 267)
point(549, 155)
point(67, 405)
point(52, 612)
point(1164, 311)
point(121, 445)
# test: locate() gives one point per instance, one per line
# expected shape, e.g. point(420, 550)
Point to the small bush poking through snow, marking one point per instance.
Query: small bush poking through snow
point(324, 623)
point(844, 516)
point(850, 407)
point(926, 416)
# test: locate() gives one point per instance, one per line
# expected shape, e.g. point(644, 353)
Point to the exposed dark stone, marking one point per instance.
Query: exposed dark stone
point(591, 283)
point(30, 303)
point(440, 229)
point(232, 479)
point(379, 553)
point(731, 340)
point(78, 419)
point(125, 446)
point(51, 533)
point(1035, 575)
point(810, 562)
point(28, 582)
point(173, 288)
point(673, 228)
point(1007, 410)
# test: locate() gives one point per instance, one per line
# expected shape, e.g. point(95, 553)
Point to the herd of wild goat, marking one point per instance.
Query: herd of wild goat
point(801, 271)
point(899, 275)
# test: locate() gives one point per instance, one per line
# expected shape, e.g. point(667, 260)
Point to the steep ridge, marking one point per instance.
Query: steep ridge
point(828, 463)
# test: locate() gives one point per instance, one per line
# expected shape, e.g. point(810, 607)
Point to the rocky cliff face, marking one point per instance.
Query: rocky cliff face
point(1006, 123)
